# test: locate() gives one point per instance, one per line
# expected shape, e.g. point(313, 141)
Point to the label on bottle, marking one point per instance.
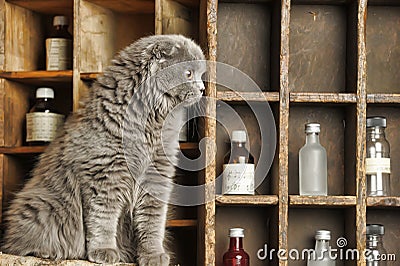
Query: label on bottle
point(58, 54)
point(238, 179)
point(42, 126)
point(377, 165)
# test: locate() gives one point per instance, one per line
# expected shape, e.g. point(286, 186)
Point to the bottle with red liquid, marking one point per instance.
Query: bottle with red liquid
point(236, 256)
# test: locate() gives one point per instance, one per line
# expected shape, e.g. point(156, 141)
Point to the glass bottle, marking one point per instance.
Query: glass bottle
point(43, 121)
point(322, 255)
point(313, 164)
point(236, 255)
point(59, 46)
point(377, 163)
point(375, 247)
point(238, 174)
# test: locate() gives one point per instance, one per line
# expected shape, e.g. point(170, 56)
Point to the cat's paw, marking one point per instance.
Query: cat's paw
point(104, 255)
point(154, 260)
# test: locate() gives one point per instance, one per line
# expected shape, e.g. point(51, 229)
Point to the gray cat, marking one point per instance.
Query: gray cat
point(100, 190)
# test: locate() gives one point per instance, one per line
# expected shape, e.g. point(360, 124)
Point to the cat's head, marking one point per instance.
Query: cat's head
point(178, 65)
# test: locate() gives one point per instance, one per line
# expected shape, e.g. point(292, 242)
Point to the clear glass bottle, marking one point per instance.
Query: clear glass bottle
point(377, 163)
point(313, 177)
point(236, 255)
point(59, 46)
point(43, 120)
point(322, 255)
point(375, 246)
point(238, 174)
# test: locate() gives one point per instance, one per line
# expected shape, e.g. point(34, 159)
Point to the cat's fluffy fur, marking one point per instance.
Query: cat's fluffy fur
point(82, 202)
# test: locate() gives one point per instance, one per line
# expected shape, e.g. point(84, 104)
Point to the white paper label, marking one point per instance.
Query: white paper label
point(42, 126)
point(58, 51)
point(238, 179)
point(377, 165)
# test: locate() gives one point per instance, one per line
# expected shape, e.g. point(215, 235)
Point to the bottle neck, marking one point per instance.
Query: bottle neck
point(321, 245)
point(376, 133)
point(239, 144)
point(312, 138)
point(374, 241)
point(236, 243)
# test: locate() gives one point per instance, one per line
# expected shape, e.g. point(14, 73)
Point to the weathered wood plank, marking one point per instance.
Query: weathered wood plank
point(127, 6)
point(232, 96)
point(383, 98)
point(383, 201)
point(295, 200)
point(314, 97)
point(51, 7)
point(258, 200)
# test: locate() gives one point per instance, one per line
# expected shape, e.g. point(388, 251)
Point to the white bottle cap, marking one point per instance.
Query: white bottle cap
point(323, 235)
point(313, 128)
point(239, 136)
point(45, 93)
point(60, 21)
point(236, 232)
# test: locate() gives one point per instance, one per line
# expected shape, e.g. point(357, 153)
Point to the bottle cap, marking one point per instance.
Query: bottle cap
point(375, 229)
point(312, 128)
point(60, 21)
point(45, 93)
point(323, 235)
point(236, 232)
point(239, 136)
point(376, 121)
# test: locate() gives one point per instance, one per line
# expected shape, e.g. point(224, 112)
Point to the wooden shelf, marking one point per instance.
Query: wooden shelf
point(306, 97)
point(383, 98)
point(383, 201)
point(127, 6)
point(243, 200)
point(181, 223)
point(231, 96)
point(187, 146)
point(89, 76)
point(50, 7)
point(339, 201)
point(39, 77)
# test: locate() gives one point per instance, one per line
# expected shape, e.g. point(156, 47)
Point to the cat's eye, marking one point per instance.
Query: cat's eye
point(189, 74)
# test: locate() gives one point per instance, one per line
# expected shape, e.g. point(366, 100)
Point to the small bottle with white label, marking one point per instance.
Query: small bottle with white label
point(59, 46)
point(43, 121)
point(238, 174)
point(377, 163)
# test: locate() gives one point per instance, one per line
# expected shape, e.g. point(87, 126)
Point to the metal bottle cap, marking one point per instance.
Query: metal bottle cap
point(312, 128)
point(239, 136)
point(60, 21)
point(45, 93)
point(236, 232)
point(323, 235)
point(376, 121)
point(375, 229)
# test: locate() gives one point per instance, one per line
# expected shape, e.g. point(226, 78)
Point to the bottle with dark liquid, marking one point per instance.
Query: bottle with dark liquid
point(43, 121)
point(236, 256)
point(59, 46)
point(238, 174)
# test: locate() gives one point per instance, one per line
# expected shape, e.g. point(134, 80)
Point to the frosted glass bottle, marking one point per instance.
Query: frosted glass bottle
point(377, 163)
point(313, 177)
point(322, 250)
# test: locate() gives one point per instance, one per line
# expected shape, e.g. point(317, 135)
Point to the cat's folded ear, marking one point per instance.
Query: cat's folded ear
point(163, 51)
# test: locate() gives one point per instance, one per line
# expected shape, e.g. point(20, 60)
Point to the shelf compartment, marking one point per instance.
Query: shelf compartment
point(383, 201)
point(40, 77)
point(295, 200)
point(304, 222)
point(323, 46)
point(392, 114)
point(309, 97)
point(104, 31)
point(382, 49)
point(242, 200)
point(383, 98)
point(232, 96)
point(338, 137)
point(248, 39)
